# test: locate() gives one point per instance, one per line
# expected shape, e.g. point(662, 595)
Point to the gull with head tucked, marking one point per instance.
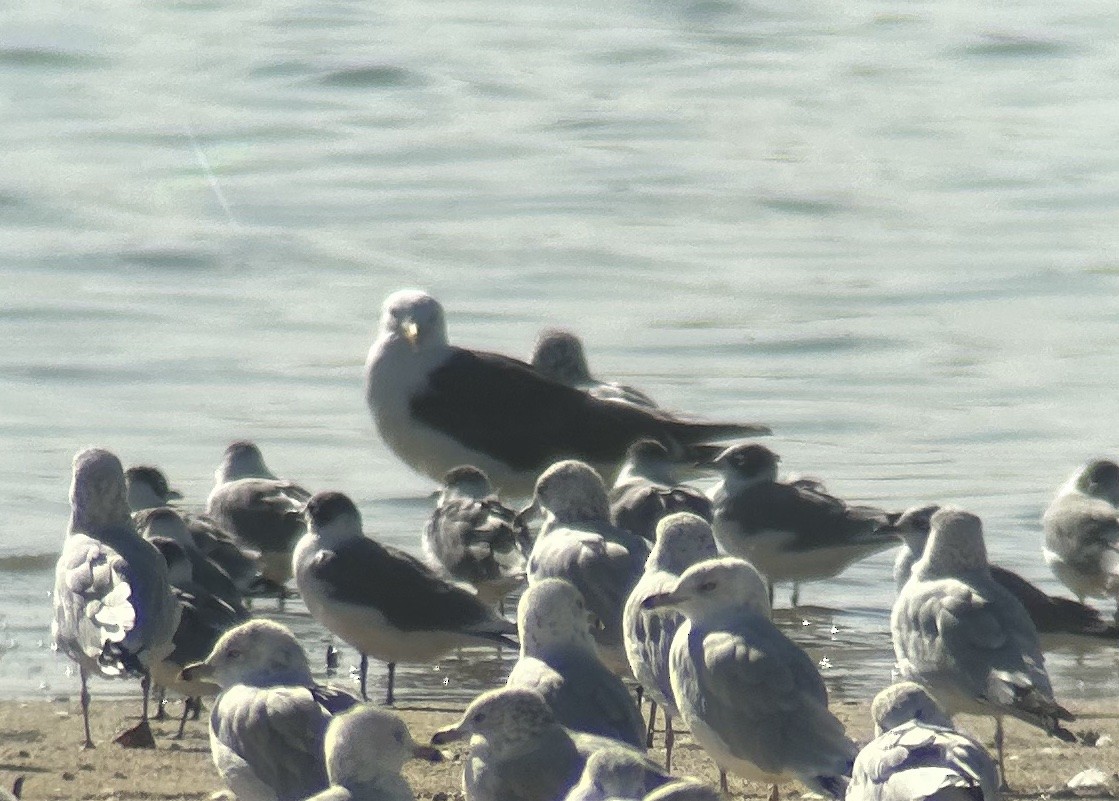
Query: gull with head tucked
point(559, 355)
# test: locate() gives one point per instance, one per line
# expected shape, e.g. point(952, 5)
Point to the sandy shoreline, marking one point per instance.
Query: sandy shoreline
point(39, 740)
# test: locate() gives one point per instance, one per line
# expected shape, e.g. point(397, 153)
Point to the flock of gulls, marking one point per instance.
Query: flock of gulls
point(648, 581)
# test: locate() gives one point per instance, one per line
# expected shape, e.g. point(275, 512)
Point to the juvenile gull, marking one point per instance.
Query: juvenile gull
point(558, 659)
point(472, 537)
point(1050, 614)
point(966, 638)
point(268, 723)
point(578, 543)
point(384, 602)
point(647, 490)
point(559, 355)
point(165, 522)
point(751, 697)
point(438, 406)
point(519, 752)
point(789, 531)
point(682, 540)
point(917, 755)
point(1082, 532)
point(114, 614)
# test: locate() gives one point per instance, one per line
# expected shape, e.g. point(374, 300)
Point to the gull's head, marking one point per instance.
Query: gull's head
point(683, 539)
point(746, 464)
point(179, 571)
point(242, 459)
point(902, 702)
point(1100, 479)
point(955, 545)
point(414, 317)
point(650, 460)
point(465, 481)
point(366, 743)
point(332, 517)
point(559, 355)
point(713, 587)
point(261, 653)
point(509, 719)
point(148, 487)
point(571, 492)
point(98, 492)
point(914, 525)
point(164, 521)
point(551, 614)
point(612, 773)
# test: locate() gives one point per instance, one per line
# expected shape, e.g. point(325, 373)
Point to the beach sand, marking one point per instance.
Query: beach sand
point(39, 740)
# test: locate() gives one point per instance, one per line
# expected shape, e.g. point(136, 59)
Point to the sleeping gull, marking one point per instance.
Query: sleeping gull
point(578, 543)
point(558, 659)
point(438, 406)
point(268, 723)
point(114, 614)
point(559, 355)
point(1082, 532)
point(967, 639)
point(518, 752)
point(385, 603)
point(751, 697)
point(682, 540)
point(917, 755)
point(612, 774)
point(647, 490)
point(1051, 615)
point(789, 531)
point(472, 537)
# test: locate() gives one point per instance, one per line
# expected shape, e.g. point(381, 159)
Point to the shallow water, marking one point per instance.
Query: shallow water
point(887, 232)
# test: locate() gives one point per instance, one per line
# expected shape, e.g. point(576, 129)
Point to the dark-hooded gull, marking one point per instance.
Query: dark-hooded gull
point(438, 406)
point(148, 488)
point(559, 355)
point(647, 490)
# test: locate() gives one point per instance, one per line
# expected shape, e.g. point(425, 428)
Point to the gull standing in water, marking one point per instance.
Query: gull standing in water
point(438, 406)
point(114, 613)
point(559, 355)
point(646, 490)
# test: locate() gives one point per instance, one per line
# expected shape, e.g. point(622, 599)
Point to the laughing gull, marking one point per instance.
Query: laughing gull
point(472, 537)
point(646, 490)
point(438, 406)
point(918, 756)
point(268, 723)
point(559, 660)
point(790, 532)
point(519, 752)
point(559, 355)
point(969, 640)
point(385, 603)
point(1082, 532)
point(148, 488)
point(751, 697)
point(114, 613)
point(1049, 613)
point(682, 540)
point(165, 522)
point(578, 543)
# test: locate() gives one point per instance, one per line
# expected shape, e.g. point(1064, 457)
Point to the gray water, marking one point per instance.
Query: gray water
point(888, 230)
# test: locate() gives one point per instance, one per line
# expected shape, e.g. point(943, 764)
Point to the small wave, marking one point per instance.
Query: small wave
point(27, 562)
point(371, 75)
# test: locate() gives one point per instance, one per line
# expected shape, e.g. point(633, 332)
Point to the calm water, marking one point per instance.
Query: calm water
point(887, 230)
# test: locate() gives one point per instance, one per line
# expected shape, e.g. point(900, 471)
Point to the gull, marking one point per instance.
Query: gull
point(558, 659)
point(578, 543)
point(438, 406)
point(646, 490)
point(917, 755)
point(519, 752)
point(382, 601)
point(148, 488)
point(612, 774)
point(751, 697)
point(789, 531)
point(1082, 532)
point(683, 790)
point(969, 640)
point(1051, 614)
point(683, 540)
point(472, 537)
point(366, 748)
point(559, 355)
point(114, 614)
point(164, 522)
point(268, 723)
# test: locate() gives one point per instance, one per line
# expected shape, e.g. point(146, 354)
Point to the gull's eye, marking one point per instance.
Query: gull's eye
point(398, 735)
point(480, 717)
point(232, 653)
point(707, 586)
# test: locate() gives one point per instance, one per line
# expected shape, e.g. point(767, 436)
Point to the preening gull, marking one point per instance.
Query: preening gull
point(646, 490)
point(578, 543)
point(268, 723)
point(789, 531)
point(751, 697)
point(519, 752)
point(438, 406)
point(966, 638)
point(559, 355)
point(559, 660)
point(1082, 532)
point(471, 536)
point(917, 755)
point(114, 614)
point(385, 603)
point(1050, 614)
point(682, 540)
